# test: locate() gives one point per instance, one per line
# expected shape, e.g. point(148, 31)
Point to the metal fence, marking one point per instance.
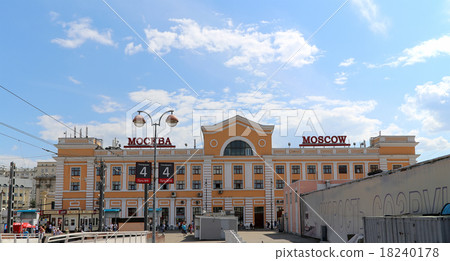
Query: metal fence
point(101, 237)
point(19, 238)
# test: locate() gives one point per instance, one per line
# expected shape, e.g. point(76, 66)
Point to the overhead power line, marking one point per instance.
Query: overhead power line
point(28, 143)
point(22, 99)
point(26, 133)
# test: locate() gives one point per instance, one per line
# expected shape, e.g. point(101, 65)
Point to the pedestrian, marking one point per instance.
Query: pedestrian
point(184, 228)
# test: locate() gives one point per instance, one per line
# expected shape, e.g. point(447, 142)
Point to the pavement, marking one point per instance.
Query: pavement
point(256, 236)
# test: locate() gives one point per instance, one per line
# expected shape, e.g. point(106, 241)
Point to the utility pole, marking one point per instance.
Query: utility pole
point(102, 192)
point(12, 182)
point(206, 195)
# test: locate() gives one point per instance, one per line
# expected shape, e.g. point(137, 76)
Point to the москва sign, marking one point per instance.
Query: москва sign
point(149, 143)
point(324, 141)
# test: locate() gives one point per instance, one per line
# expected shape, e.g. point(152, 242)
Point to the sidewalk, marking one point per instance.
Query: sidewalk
point(262, 236)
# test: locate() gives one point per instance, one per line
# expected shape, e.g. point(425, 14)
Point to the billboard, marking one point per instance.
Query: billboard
point(165, 173)
point(143, 172)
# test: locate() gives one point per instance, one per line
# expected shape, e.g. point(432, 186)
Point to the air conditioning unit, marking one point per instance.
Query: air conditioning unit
point(220, 191)
point(199, 194)
point(174, 194)
point(197, 202)
point(182, 202)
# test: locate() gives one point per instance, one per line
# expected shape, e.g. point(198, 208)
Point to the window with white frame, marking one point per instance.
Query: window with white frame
point(75, 171)
point(238, 184)
point(279, 184)
point(237, 169)
point(132, 170)
point(131, 185)
point(180, 170)
point(295, 169)
point(342, 169)
point(259, 184)
point(116, 185)
point(326, 169)
point(75, 186)
point(311, 169)
point(217, 184)
point(217, 170)
point(258, 169)
point(180, 185)
point(279, 169)
point(196, 169)
point(358, 168)
point(196, 184)
point(116, 171)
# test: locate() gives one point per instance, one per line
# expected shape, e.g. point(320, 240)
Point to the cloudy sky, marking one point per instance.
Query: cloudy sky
point(351, 68)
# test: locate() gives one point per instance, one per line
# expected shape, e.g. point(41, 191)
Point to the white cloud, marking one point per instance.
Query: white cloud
point(341, 78)
point(73, 80)
point(370, 12)
point(53, 16)
point(78, 32)
point(226, 89)
point(131, 49)
point(20, 161)
point(347, 62)
point(430, 105)
point(107, 105)
point(431, 145)
point(247, 48)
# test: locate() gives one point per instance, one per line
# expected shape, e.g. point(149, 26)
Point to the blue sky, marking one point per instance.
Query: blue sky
point(373, 66)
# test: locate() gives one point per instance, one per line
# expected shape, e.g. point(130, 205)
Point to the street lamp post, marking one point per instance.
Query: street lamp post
point(139, 121)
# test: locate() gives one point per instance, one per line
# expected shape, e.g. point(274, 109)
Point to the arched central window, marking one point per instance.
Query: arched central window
point(238, 148)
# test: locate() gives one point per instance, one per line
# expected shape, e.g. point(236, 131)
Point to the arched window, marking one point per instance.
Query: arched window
point(238, 148)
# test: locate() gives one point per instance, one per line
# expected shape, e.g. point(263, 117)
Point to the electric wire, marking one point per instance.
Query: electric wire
point(26, 133)
point(28, 143)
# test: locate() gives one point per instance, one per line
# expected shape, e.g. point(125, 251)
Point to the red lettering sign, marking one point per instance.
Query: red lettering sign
point(310, 141)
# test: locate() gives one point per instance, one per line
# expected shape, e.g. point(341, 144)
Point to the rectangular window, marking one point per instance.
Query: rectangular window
point(116, 171)
point(164, 186)
point(75, 186)
point(295, 169)
point(75, 171)
point(196, 211)
point(258, 169)
point(326, 169)
point(98, 184)
point(238, 184)
point(132, 170)
point(279, 169)
point(196, 169)
point(358, 168)
point(217, 184)
point(217, 170)
point(396, 166)
point(342, 169)
point(180, 184)
point(97, 171)
point(131, 185)
point(259, 184)
point(279, 184)
point(196, 184)
point(131, 212)
point(217, 209)
point(311, 169)
point(373, 168)
point(116, 185)
point(237, 169)
point(294, 180)
point(180, 170)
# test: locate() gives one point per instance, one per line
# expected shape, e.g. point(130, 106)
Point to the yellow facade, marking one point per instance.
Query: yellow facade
point(217, 177)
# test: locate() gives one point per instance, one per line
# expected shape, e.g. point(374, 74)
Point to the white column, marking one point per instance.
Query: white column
point(171, 220)
point(59, 183)
point(366, 168)
point(228, 204)
point(187, 173)
point(350, 168)
point(288, 173)
point(319, 171)
point(90, 184)
point(383, 163)
point(124, 177)
point(269, 188)
point(227, 175)
point(335, 171)
point(188, 211)
point(248, 211)
point(207, 204)
point(248, 176)
point(303, 171)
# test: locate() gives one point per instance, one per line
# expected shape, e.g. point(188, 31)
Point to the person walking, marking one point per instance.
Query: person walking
point(184, 228)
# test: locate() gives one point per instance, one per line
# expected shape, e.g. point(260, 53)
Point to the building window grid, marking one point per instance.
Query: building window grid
point(217, 184)
point(279, 184)
point(196, 184)
point(358, 169)
point(181, 170)
point(295, 169)
point(237, 169)
point(132, 170)
point(311, 169)
point(373, 168)
point(116, 171)
point(196, 169)
point(258, 169)
point(74, 172)
point(259, 184)
point(279, 169)
point(217, 170)
point(238, 184)
point(327, 169)
point(116, 185)
point(131, 185)
point(75, 186)
point(397, 166)
point(342, 169)
point(180, 185)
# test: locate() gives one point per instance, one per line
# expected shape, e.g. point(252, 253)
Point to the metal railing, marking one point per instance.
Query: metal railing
point(19, 238)
point(101, 237)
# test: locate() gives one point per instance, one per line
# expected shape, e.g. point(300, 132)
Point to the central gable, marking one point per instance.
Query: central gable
point(216, 137)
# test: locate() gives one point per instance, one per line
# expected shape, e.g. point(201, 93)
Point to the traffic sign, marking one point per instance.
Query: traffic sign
point(165, 173)
point(143, 172)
